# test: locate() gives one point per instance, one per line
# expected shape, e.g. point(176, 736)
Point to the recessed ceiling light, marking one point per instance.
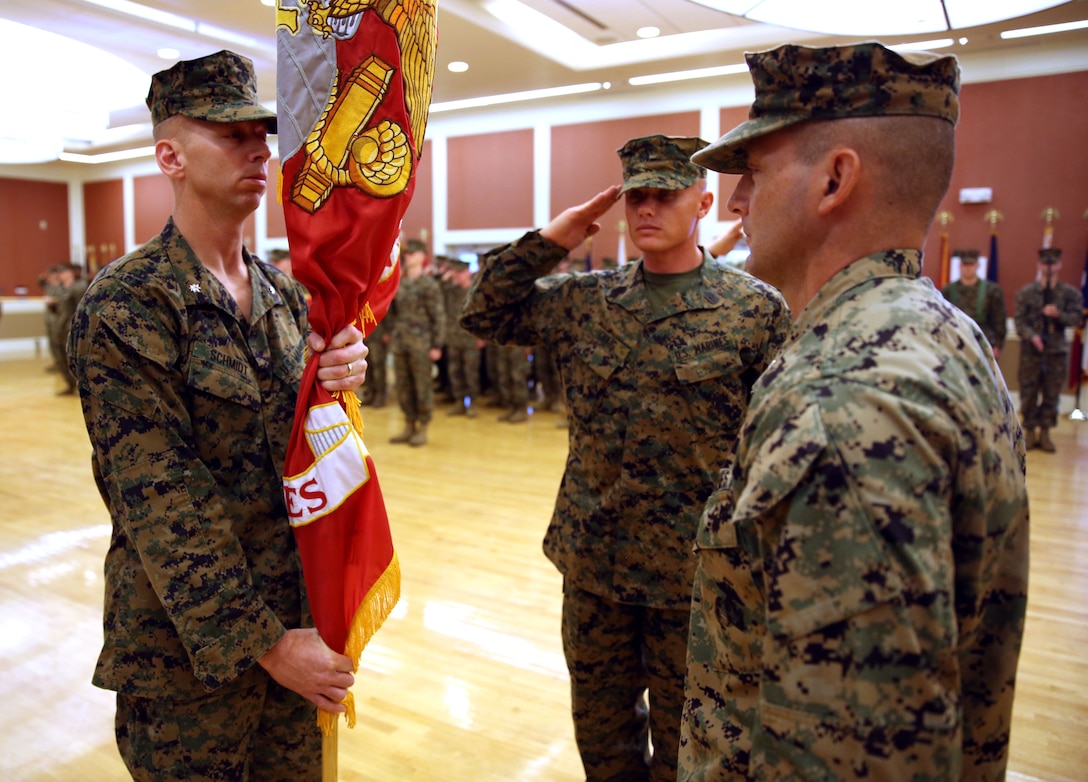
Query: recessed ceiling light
point(457, 66)
point(514, 97)
point(268, 2)
point(922, 46)
point(1045, 29)
point(168, 54)
point(698, 73)
point(648, 32)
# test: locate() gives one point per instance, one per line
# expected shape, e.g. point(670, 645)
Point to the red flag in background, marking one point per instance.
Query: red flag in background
point(354, 88)
point(946, 260)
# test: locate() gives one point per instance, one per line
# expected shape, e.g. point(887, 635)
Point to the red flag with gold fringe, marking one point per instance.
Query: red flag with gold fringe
point(354, 87)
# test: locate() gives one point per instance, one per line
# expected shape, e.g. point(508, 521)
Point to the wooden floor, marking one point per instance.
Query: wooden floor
point(466, 682)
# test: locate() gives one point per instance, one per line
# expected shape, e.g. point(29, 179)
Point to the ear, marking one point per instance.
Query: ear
point(169, 156)
point(705, 204)
point(841, 175)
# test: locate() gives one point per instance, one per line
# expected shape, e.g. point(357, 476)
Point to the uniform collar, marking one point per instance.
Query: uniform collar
point(200, 288)
point(630, 290)
point(878, 266)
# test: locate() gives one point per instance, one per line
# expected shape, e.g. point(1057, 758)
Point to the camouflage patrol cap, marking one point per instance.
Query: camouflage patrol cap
point(966, 256)
point(798, 83)
point(662, 162)
point(414, 246)
point(1050, 255)
point(456, 265)
point(220, 87)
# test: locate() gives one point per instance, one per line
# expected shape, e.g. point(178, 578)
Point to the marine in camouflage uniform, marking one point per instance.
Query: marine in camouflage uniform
point(513, 369)
point(462, 350)
point(376, 388)
point(982, 299)
point(1042, 312)
point(188, 393)
point(859, 601)
point(658, 368)
point(417, 323)
point(66, 299)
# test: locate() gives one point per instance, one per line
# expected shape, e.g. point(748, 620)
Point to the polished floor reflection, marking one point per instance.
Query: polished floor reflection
point(466, 682)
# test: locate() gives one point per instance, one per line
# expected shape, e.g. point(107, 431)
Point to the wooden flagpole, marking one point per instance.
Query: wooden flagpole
point(330, 771)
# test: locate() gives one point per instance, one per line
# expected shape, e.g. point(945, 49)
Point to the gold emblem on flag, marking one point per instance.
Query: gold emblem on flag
point(342, 150)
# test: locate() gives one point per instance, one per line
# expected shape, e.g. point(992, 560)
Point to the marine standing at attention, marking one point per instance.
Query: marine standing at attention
point(859, 602)
point(658, 358)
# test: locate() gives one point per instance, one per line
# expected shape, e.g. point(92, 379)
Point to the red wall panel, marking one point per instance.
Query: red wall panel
point(490, 180)
point(103, 222)
point(35, 232)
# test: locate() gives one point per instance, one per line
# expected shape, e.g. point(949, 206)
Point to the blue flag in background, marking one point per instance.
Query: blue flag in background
point(991, 263)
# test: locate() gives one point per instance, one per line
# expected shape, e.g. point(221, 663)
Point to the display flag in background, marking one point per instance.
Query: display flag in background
point(946, 260)
point(991, 262)
point(354, 83)
point(1083, 330)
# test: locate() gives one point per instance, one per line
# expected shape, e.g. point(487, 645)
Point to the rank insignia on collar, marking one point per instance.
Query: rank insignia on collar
point(195, 287)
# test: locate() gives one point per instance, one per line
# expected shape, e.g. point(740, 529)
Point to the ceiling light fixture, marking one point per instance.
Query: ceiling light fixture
point(457, 66)
point(515, 97)
point(174, 20)
point(865, 17)
point(1027, 32)
point(107, 157)
point(73, 88)
point(698, 73)
point(923, 46)
point(648, 32)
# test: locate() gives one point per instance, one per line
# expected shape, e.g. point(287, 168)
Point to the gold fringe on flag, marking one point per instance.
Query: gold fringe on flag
point(368, 619)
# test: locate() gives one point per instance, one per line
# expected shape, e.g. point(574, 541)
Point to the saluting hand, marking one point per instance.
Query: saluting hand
point(576, 224)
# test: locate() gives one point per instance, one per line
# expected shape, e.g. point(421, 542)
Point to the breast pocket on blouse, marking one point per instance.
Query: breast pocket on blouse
point(713, 386)
point(599, 356)
point(223, 376)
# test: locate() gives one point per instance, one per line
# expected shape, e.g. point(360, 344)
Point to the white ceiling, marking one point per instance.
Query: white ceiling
point(604, 46)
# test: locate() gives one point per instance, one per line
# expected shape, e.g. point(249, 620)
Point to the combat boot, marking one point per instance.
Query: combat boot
point(517, 415)
point(457, 409)
point(420, 437)
point(406, 435)
point(1031, 439)
point(1045, 443)
point(378, 400)
point(470, 411)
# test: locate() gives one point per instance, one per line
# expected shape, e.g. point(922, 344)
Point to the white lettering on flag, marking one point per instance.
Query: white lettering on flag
point(339, 467)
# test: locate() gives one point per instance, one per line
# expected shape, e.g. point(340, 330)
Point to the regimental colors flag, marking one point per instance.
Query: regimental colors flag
point(354, 85)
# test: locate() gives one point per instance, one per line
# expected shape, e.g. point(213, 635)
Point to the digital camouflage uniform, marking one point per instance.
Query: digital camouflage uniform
point(513, 368)
point(189, 408)
point(654, 401)
point(859, 601)
point(417, 324)
point(189, 405)
point(463, 356)
point(862, 580)
point(66, 301)
point(377, 365)
point(984, 302)
point(1042, 375)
